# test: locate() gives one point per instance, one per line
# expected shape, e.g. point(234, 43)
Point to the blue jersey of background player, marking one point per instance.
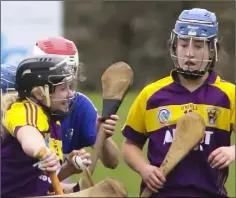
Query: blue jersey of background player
point(80, 126)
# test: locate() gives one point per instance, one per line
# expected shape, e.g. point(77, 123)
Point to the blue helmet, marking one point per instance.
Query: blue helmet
point(8, 73)
point(199, 24)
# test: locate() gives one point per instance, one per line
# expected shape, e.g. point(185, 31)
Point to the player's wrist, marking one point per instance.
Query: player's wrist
point(141, 167)
point(65, 171)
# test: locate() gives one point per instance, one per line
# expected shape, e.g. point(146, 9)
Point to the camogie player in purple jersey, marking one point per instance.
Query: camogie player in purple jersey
point(192, 86)
point(30, 121)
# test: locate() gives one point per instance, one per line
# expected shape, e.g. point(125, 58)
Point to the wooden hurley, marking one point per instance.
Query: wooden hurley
point(190, 130)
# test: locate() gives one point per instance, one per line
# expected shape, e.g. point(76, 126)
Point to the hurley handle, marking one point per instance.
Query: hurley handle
point(53, 176)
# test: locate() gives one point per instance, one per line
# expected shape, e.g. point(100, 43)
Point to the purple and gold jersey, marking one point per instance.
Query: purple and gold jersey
point(20, 175)
point(153, 116)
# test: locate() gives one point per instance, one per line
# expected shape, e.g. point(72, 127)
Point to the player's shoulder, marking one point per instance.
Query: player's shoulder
point(157, 85)
point(28, 108)
point(227, 84)
point(224, 85)
point(27, 113)
point(25, 105)
point(83, 101)
point(160, 83)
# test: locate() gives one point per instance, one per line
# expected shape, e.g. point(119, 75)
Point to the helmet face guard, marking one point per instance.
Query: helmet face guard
point(196, 25)
point(63, 75)
point(69, 81)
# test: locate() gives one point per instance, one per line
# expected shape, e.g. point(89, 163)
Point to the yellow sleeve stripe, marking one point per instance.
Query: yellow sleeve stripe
point(31, 114)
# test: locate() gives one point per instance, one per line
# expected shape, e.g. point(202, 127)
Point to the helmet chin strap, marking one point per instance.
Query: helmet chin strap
point(189, 76)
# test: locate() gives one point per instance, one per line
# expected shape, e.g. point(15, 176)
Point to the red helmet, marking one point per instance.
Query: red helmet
point(59, 46)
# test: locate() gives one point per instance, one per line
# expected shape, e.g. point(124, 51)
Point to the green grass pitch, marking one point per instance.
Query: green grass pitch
point(123, 173)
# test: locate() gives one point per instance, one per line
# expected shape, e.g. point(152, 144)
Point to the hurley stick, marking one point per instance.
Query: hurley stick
point(116, 81)
point(190, 130)
point(53, 176)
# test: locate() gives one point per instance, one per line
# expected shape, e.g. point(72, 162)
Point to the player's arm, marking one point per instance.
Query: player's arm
point(64, 172)
point(134, 132)
point(223, 156)
point(110, 152)
point(30, 139)
point(22, 122)
point(135, 138)
point(133, 155)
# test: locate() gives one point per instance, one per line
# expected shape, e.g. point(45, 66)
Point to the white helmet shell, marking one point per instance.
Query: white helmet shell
point(60, 46)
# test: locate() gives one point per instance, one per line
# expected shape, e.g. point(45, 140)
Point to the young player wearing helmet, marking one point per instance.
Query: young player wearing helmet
point(192, 86)
point(44, 86)
point(80, 126)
